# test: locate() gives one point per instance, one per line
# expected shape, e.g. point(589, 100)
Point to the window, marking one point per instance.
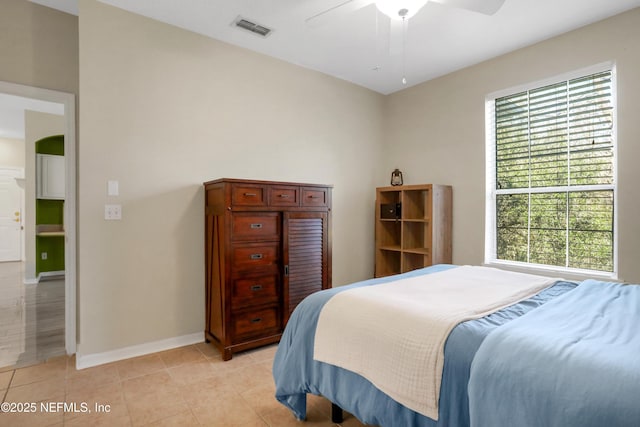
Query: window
point(551, 175)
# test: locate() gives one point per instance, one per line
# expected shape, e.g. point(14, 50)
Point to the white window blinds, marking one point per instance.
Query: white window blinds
point(554, 174)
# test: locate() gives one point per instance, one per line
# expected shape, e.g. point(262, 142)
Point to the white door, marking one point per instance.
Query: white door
point(10, 219)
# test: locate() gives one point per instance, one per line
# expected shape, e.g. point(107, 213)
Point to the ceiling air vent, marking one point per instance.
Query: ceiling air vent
point(261, 30)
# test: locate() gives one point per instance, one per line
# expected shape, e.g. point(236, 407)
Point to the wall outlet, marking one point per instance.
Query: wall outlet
point(112, 212)
point(43, 255)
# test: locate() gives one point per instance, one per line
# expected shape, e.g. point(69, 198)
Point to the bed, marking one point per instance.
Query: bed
point(474, 389)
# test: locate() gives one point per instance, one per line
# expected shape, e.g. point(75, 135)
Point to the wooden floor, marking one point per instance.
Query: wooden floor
point(31, 318)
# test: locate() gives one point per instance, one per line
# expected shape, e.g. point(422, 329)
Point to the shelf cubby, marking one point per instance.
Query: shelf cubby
point(388, 262)
point(420, 236)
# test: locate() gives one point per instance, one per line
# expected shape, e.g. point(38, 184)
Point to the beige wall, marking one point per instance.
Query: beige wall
point(164, 110)
point(42, 49)
point(11, 153)
point(435, 131)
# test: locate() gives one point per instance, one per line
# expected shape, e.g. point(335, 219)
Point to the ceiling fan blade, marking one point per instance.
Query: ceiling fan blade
point(336, 12)
point(487, 7)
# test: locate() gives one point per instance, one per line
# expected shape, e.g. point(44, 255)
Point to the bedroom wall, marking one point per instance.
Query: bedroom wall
point(435, 131)
point(164, 110)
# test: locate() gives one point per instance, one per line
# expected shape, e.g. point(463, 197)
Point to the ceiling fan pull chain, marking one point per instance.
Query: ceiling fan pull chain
point(378, 48)
point(404, 50)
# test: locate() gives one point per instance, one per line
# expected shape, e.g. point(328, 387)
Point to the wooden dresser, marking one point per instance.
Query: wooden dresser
point(267, 246)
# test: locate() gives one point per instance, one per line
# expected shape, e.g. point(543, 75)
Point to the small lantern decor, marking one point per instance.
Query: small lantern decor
point(396, 177)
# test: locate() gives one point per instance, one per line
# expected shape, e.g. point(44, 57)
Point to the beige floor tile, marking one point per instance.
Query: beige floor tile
point(180, 356)
point(208, 350)
point(91, 378)
point(251, 376)
point(232, 411)
point(183, 419)
point(283, 417)
point(188, 373)
point(139, 366)
point(5, 380)
point(139, 387)
point(35, 419)
point(38, 391)
point(155, 406)
point(264, 353)
point(239, 361)
point(110, 393)
point(261, 399)
point(53, 369)
point(351, 421)
point(206, 392)
point(103, 400)
point(102, 420)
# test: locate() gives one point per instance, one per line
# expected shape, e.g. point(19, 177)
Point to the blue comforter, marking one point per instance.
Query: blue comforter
point(573, 362)
point(296, 373)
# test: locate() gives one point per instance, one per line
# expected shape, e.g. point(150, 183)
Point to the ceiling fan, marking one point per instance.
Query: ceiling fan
point(399, 12)
point(401, 9)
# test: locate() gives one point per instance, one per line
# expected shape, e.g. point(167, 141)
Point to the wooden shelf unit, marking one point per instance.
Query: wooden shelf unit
point(420, 236)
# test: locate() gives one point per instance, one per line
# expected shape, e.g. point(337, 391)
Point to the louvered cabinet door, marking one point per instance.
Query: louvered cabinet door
point(306, 257)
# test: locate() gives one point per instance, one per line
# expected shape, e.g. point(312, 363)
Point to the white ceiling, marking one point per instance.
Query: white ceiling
point(440, 39)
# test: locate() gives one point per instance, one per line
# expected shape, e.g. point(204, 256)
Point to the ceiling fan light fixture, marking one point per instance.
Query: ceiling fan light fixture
point(399, 10)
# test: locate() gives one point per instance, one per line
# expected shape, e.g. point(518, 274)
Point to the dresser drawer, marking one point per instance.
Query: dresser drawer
point(254, 290)
point(312, 196)
point(248, 195)
point(281, 195)
point(256, 226)
point(256, 322)
point(254, 255)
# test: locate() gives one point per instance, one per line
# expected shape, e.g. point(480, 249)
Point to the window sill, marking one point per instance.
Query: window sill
point(543, 270)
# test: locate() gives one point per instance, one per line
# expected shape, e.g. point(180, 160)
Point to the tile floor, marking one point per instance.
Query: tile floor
point(187, 386)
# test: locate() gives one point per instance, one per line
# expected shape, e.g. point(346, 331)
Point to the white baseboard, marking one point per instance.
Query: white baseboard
point(43, 275)
point(46, 274)
point(88, 360)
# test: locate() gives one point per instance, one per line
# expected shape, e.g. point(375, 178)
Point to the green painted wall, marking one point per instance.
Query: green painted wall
point(50, 212)
point(51, 145)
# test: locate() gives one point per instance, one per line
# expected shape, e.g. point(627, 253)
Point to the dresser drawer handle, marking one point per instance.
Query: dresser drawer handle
point(256, 225)
point(256, 320)
point(314, 197)
point(250, 194)
point(256, 288)
point(256, 256)
point(284, 196)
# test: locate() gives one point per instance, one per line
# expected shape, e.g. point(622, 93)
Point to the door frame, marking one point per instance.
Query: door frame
point(69, 102)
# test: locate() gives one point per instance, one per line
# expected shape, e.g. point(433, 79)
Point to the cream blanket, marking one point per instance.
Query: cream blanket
point(393, 334)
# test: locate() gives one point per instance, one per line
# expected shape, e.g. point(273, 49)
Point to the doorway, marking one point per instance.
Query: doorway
point(20, 276)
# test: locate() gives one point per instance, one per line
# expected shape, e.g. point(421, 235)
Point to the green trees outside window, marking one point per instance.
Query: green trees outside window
point(554, 174)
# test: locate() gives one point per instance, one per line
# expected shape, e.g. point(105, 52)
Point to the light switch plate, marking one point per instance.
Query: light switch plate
point(112, 188)
point(112, 212)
